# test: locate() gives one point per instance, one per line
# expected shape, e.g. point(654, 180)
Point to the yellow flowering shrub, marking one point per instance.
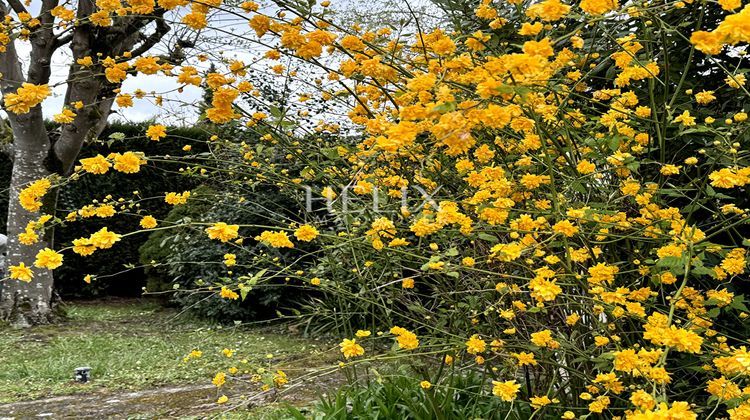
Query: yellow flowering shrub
point(554, 196)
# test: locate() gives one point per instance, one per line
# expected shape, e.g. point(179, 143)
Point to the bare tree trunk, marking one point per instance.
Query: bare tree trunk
point(34, 155)
point(24, 304)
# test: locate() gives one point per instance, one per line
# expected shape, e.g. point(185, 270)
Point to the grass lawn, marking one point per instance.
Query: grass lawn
point(137, 345)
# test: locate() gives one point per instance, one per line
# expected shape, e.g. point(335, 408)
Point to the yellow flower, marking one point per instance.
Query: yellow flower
point(707, 42)
point(735, 81)
point(148, 222)
point(219, 379)
point(103, 238)
point(222, 400)
point(475, 345)
point(598, 7)
point(407, 340)
point(548, 10)
point(328, 193)
point(49, 259)
point(96, 165)
point(724, 178)
point(30, 197)
point(599, 405)
point(21, 272)
point(530, 29)
point(63, 14)
point(602, 272)
point(601, 341)
point(425, 384)
point(280, 378)
point(363, 333)
point(306, 233)
point(524, 358)
point(85, 61)
point(26, 97)
point(685, 119)
point(565, 228)
point(669, 169)
point(507, 390)
point(156, 132)
point(175, 199)
point(585, 167)
point(125, 100)
point(705, 97)
point(643, 400)
point(350, 348)
point(539, 402)
point(227, 293)
point(507, 252)
point(730, 4)
point(128, 162)
point(28, 237)
point(544, 339)
point(147, 65)
point(277, 239)
point(65, 117)
point(222, 231)
point(83, 246)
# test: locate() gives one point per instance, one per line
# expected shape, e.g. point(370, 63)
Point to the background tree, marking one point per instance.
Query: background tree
point(102, 37)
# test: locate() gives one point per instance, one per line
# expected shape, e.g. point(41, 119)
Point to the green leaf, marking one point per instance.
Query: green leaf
point(445, 107)
point(244, 290)
point(671, 262)
point(613, 143)
point(738, 303)
point(330, 152)
point(257, 276)
point(633, 166)
point(487, 237)
point(578, 187)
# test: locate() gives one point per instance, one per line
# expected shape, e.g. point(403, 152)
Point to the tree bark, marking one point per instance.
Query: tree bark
point(23, 304)
point(34, 155)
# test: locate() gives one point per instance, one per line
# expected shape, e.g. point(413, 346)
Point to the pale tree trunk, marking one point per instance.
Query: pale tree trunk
point(23, 304)
point(34, 155)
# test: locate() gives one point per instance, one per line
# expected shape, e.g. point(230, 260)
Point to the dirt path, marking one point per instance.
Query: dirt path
point(160, 402)
point(192, 401)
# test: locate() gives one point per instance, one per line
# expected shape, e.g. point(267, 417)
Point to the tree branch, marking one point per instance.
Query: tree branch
point(17, 6)
point(10, 66)
point(59, 42)
point(161, 29)
point(43, 46)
